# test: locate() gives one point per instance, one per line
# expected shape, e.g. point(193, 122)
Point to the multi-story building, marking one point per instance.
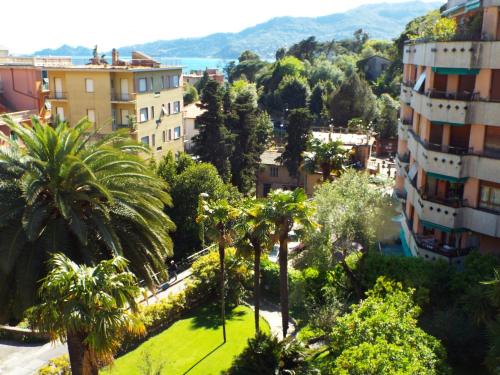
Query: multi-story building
point(140, 95)
point(23, 93)
point(195, 76)
point(449, 138)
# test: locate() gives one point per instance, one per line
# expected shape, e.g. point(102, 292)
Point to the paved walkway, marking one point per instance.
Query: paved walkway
point(272, 314)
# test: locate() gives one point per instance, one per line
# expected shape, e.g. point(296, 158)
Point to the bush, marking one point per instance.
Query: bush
point(56, 366)
point(267, 355)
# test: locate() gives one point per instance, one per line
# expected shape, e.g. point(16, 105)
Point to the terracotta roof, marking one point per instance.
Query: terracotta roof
point(192, 111)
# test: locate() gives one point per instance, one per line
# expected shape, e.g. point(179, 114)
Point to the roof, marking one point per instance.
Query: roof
point(372, 57)
point(347, 139)
point(192, 111)
point(110, 67)
point(269, 157)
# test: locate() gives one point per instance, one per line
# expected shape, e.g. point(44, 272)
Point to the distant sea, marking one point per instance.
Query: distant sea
point(187, 63)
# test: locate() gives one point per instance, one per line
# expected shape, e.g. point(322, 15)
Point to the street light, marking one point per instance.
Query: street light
point(202, 224)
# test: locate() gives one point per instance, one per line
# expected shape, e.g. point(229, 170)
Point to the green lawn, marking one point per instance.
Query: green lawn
point(194, 345)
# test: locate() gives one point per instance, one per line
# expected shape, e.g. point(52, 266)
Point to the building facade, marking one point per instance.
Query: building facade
point(191, 128)
point(139, 95)
point(448, 156)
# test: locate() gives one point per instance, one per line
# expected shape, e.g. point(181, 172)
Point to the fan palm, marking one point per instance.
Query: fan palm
point(329, 157)
point(63, 190)
point(257, 235)
point(89, 307)
point(284, 209)
point(219, 218)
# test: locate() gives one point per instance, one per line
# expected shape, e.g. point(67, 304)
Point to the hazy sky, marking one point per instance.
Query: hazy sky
point(30, 25)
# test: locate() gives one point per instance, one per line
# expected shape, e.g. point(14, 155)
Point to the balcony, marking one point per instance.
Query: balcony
point(58, 95)
point(402, 164)
point(406, 94)
point(465, 54)
point(122, 97)
point(456, 162)
point(441, 110)
point(403, 127)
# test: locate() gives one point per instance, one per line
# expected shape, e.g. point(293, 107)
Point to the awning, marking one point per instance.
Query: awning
point(413, 171)
point(447, 178)
point(458, 71)
point(420, 82)
point(446, 123)
point(472, 4)
point(442, 228)
point(456, 9)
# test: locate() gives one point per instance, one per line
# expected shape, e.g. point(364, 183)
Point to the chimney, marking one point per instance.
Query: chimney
point(114, 57)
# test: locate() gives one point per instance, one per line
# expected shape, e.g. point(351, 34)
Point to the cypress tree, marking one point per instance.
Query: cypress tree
point(214, 143)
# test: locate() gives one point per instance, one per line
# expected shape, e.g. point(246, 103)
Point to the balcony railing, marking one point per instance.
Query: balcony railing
point(448, 149)
point(58, 95)
point(121, 126)
point(431, 244)
point(122, 97)
point(404, 158)
point(463, 95)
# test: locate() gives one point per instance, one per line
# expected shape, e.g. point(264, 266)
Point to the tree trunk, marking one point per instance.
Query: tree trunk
point(222, 291)
point(283, 259)
point(256, 285)
point(326, 170)
point(80, 356)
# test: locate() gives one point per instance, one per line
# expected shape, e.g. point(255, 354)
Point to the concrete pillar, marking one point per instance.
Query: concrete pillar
point(483, 83)
point(476, 140)
point(429, 78)
point(490, 22)
point(400, 182)
point(402, 146)
point(452, 83)
point(446, 135)
point(425, 129)
point(471, 192)
point(421, 179)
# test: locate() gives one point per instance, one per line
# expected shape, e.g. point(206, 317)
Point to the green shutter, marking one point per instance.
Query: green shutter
point(441, 228)
point(459, 71)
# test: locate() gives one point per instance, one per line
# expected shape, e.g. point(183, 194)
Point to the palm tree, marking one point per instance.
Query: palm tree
point(63, 189)
point(256, 234)
point(218, 218)
point(329, 157)
point(89, 307)
point(284, 209)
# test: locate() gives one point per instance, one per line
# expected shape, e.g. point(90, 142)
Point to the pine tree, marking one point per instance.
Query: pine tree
point(214, 143)
point(299, 132)
point(354, 99)
point(251, 131)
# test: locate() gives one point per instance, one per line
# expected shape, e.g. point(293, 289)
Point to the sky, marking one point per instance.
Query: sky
point(37, 24)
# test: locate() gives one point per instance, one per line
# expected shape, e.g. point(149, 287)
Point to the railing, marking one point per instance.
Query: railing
point(431, 244)
point(456, 150)
point(121, 126)
point(58, 95)
point(122, 97)
point(408, 83)
point(463, 95)
point(405, 158)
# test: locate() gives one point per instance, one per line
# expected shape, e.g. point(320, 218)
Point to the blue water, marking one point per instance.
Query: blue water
point(187, 63)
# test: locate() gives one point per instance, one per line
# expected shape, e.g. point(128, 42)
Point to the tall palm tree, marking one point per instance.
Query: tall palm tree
point(89, 307)
point(256, 233)
point(219, 219)
point(284, 209)
point(329, 157)
point(62, 189)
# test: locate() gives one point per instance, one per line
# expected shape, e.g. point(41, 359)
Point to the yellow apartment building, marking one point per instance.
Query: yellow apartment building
point(140, 95)
point(449, 138)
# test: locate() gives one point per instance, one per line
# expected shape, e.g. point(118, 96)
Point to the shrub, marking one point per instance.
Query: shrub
point(56, 366)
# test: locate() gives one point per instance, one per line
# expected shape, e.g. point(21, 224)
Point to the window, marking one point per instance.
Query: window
point(152, 111)
point(112, 83)
point(175, 81)
point(153, 140)
point(143, 85)
point(490, 197)
point(177, 132)
point(169, 108)
point(177, 107)
point(164, 136)
point(163, 110)
point(145, 140)
point(151, 81)
point(274, 171)
point(89, 85)
point(91, 115)
point(60, 113)
point(169, 134)
point(143, 115)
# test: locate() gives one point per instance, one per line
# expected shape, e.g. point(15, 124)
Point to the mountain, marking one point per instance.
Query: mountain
point(381, 21)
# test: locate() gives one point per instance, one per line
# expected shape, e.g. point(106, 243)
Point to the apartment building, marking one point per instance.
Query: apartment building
point(448, 157)
point(138, 94)
point(23, 93)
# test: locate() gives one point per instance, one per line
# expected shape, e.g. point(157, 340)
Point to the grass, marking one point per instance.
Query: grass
point(194, 345)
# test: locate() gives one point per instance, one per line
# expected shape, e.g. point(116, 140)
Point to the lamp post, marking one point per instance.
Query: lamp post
point(202, 224)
